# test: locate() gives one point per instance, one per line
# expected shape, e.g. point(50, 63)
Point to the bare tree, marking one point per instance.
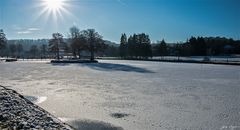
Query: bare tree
point(94, 40)
point(78, 41)
point(55, 43)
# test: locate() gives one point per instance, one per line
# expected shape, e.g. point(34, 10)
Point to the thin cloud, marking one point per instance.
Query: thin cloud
point(33, 29)
point(27, 31)
point(24, 32)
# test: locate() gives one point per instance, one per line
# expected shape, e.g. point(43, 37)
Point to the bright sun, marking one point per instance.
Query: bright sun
point(54, 5)
point(54, 10)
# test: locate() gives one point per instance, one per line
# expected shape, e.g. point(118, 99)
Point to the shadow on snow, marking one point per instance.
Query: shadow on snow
point(108, 67)
point(92, 125)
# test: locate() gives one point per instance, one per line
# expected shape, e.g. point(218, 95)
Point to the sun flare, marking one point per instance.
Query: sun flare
point(54, 4)
point(54, 11)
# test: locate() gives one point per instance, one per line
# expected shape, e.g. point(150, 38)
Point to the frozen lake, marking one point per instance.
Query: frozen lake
point(133, 95)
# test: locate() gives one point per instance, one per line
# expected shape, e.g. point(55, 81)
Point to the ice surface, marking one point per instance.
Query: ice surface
point(154, 95)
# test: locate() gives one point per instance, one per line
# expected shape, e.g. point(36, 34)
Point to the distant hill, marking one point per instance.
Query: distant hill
point(28, 42)
point(111, 43)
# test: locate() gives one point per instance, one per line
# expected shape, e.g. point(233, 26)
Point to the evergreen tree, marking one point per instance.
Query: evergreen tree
point(201, 46)
point(3, 39)
point(193, 45)
point(198, 46)
point(135, 46)
point(139, 46)
point(123, 45)
point(163, 48)
point(130, 47)
point(148, 45)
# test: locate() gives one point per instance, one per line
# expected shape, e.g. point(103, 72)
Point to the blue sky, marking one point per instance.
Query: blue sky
point(173, 20)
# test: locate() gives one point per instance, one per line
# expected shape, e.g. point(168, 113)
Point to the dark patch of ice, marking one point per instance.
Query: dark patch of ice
point(66, 90)
point(119, 115)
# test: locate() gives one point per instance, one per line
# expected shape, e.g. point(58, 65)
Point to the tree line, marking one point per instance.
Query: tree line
point(138, 46)
point(135, 46)
point(198, 46)
point(89, 43)
point(78, 42)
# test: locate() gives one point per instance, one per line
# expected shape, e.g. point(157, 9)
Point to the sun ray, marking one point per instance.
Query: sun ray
point(53, 12)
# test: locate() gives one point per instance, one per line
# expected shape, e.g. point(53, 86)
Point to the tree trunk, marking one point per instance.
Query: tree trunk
point(58, 55)
point(79, 54)
point(92, 55)
point(92, 51)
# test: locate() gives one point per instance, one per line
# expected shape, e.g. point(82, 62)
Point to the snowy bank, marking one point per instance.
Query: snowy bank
point(16, 112)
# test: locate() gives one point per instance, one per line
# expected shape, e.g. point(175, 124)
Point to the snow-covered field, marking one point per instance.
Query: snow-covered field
point(133, 95)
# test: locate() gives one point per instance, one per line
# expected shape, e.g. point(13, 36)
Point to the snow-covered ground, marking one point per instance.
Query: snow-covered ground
point(134, 95)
